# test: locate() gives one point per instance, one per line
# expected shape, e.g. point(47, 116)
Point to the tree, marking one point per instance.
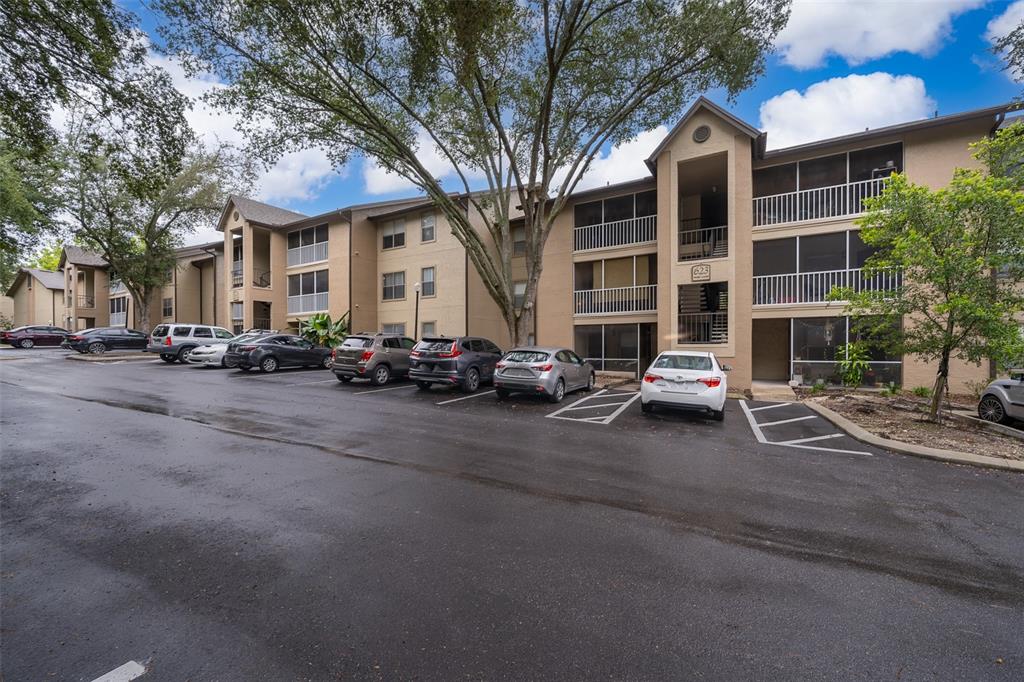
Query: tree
point(1011, 48)
point(47, 258)
point(518, 97)
point(961, 253)
point(136, 225)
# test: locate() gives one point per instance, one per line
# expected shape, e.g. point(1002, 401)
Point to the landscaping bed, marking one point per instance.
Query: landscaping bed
point(902, 418)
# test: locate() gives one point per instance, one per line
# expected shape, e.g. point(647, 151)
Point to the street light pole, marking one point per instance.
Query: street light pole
point(416, 317)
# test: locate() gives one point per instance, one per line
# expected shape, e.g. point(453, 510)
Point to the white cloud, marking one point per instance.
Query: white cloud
point(839, 106)
point(378, 180)
point(624, 161)
point(1002, 25)
point(862, 30)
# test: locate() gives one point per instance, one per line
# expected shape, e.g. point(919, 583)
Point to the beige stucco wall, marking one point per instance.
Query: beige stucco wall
point(33, 303)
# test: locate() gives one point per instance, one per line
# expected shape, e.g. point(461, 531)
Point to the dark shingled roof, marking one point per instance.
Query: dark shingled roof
point(79, 256)
point(48, 278)
point(265, 214)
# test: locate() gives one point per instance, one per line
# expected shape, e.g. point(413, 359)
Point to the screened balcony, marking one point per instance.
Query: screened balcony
point(814, 287)
point(626, 220)
point(307, 246)
point(616, 286)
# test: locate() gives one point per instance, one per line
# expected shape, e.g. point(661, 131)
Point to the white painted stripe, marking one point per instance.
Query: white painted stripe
point(813, 447)
point(753, 423)
point(755, 427)
point(604, 420)
point(465, 397)
point(310, 383)
point(619, 411)
point(578, 402)
point(789, 421)
point(391, 388)
point(812, 438)
point(614, 403)
point(768, 407)
point(125, 673)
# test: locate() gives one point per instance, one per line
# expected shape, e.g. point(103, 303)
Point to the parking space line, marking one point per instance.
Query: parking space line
point(768, 407)
point(788, 421)
point(124, 673)
point(812, 438)
point(310, 383)
point(465, 397)
point(390, 388)
point(604, 419)
point(796, 443)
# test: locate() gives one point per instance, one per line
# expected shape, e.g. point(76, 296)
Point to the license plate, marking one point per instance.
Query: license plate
point(519, 373)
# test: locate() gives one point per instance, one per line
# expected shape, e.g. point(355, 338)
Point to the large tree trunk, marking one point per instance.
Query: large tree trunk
point(941, 379)
point(142, 301)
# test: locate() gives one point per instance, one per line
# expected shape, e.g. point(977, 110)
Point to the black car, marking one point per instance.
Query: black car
point(33, 335)
point(268, 353)
point(463, 361)
point(101, 339)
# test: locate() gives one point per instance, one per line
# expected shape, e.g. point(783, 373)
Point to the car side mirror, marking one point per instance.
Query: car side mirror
point(726, 368)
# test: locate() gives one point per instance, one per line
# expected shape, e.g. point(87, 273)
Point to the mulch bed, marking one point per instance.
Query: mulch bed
point(902, 418)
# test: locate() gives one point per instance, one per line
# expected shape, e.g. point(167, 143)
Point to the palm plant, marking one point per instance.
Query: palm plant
point(322, 331)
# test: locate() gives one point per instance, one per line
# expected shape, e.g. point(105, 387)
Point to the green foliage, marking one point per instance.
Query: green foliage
point(27, 202)
point(1011, 48)
point(46, 258)
point(853, 362)
point(521, 95)
point(891, 390)
point(319, 329)
point(922, 391)
point(960, 250)
point(818, 388)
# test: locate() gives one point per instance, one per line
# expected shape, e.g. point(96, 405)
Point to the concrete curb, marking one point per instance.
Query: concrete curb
point(865, 436)
point(111, 357)
point(970, 418)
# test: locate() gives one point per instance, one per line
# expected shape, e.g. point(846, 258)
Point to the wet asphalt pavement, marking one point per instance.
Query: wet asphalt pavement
point(216, 525)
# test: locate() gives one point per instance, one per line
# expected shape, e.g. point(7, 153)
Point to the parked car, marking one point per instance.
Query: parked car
point(270, 352)
point(551, 372)
point(377, 357)
point(1003, 399)
point(463, 361)
point(33, 335)
point(685, 380)
point(176, 341)
point(213, 355)
point(99, 340)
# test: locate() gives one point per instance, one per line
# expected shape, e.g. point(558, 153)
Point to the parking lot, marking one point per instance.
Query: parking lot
point(215, 524)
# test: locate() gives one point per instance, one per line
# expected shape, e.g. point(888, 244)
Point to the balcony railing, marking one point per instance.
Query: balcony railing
point(310, 253)
point(261, 278)
point(704, 327)
point(638, 299)
point(86, 301)
point(628, 232)
point(307, 303)
point(814, 287)
point(236, 275)
point(261, 323)
point(704, 242)
point(118, 319)
point(836, 201)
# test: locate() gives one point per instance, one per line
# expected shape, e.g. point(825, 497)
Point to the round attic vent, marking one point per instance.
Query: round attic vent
point(701, 134)
point(234, 216)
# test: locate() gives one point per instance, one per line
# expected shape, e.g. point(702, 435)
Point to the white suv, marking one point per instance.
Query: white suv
point(176, 341)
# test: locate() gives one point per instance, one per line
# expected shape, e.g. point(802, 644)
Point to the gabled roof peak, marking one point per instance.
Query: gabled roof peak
point(702, 103)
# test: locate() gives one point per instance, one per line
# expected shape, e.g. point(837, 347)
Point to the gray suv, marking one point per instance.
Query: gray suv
point(1003, 399)
point(176, 341)
point(463, 361)
point(376, 357)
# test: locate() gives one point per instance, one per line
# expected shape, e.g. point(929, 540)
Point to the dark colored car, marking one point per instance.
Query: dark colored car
point(101, 339)
point(463, 361)
point(33, 335)
point(273, 351)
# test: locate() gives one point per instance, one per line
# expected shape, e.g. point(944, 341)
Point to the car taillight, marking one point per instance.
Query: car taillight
point(76, 338)
point(367, 354)
point(651, 378)
point(167, 341)
point(414, 354)
point(544, 368)
point(334, 354)
point(246, 349)
point(453, 352)
point(500, 365)
point(710, 382)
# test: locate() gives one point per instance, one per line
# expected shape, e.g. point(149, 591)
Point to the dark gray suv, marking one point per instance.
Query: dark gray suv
point(463, 361)
point(377, 357)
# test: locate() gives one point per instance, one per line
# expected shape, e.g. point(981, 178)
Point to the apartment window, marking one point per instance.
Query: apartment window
point(427, 228)
point(428, 329)
point(393, 234)
point(307, 236)
point(428, 284)
point(168, 307)
point(394, 286)
point(519, 240)
point(614, 209)
point(822, 252)
point(119, 305)
point(518, 294)
point(236, 310)
point(308, 283)
point(394, 328)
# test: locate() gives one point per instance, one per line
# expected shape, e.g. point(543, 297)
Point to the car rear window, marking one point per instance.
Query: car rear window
point(699, 362)
point(357, 342)
point(160, 330)
point(525, 356)
point(181, 331)
point(433, 344)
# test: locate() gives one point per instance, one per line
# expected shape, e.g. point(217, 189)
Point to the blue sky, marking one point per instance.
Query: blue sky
point(840, 67)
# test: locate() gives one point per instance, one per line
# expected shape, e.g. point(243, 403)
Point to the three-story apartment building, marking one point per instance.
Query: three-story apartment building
point(725, 246)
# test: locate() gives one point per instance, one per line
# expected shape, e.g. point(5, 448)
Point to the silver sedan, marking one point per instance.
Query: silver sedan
point(550, 372)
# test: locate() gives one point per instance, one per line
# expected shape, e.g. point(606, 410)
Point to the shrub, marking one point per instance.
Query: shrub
point(853, 363)
point(319, 329)
point(922, 391)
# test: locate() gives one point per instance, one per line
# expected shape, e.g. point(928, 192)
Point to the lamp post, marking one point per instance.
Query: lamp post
point(416, 317)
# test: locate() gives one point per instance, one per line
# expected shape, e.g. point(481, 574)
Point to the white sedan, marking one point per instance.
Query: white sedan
point(212, 355)
point(685, 380)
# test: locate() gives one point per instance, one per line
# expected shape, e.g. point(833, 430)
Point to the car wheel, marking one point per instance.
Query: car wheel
point(97, 348)
point(342, 379)
point(167, 358)
point(718, 415)
point(646, 408)
point(991, 410)
point(27, 343)
point(590, 383)
point(268, 365)
point(423, 385)
point(184, 353)
point(472, 380)
point(223, 363)
point(381, 375)
point(559, 392)
point(326, 363)
point(501, 393)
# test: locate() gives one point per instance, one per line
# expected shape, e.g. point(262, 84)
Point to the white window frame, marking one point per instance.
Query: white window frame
point(518, 297)
point(393, 328)
point(433, 281)
point(423, 328)
point(385, 286)
point(428, 220)
point(392, 228)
